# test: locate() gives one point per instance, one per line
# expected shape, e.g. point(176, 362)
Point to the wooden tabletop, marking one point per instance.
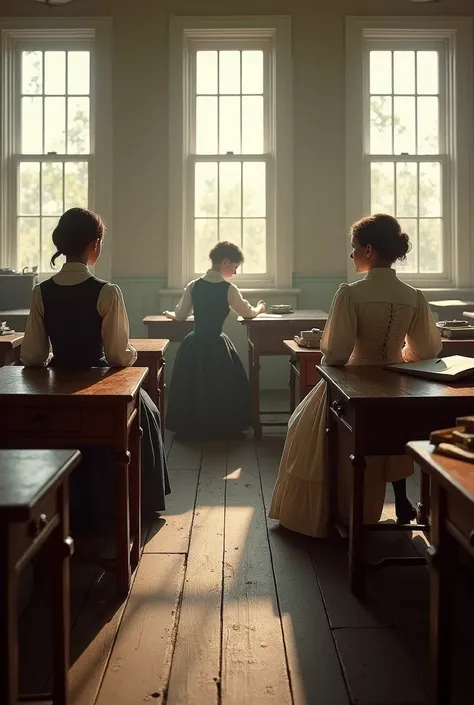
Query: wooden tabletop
point(165, 319)
point(294, 317)
point(12, 340)
point(450, 303)
point(293, 346)
point(158, 345)
point(25, 476)
point(451, 471)
point(48, 381)
point(15, 312)
point(365, 383)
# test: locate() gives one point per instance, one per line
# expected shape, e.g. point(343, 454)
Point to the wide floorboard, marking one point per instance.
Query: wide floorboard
point(226, 608)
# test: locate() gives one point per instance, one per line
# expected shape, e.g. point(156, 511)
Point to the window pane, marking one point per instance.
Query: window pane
point(254, 246)
point(206, 126)
point(410, 226)
point(229, 125)
point(78, 72)
point(78, 126)
point(52, 188)
point(206, 72)
point(32, 125)
point(252, 72)
point(31, 72)
point(76, 185)
point(55, 125)
point(430, 189)
point(404, 121)
point(252, 125)
point(407, 190)
point(229, 72)
point(404, 72)
point(47, 247)
point(380, 71)
point(382, 198)
point(205, 237)
point(380, 125)
point(428, 126)
point(427, 72)
point(230, 189)
point(55, 72)
point(231, 229)
point(28, 242)
point(431, 245)
point(254, 189)
point(205, 189)
point(29, 188)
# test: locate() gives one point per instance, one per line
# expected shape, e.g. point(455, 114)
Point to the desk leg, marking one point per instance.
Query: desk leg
point(423, 509)
point(160, 373)
point(123, 520)
point(292, 383)
point(9, 622)
point(331, 461)
point(254, 376)
point(356, 528)
point(135, 480)
point(60, 553)
point(442, 556)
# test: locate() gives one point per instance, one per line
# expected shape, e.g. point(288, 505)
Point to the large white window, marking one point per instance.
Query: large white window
point(409, 137)
point(49, 137)
point(230, 130)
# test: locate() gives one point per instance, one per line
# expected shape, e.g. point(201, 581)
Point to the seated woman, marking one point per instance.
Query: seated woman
point(209, 396)
point(83, 321)
point(375, 321)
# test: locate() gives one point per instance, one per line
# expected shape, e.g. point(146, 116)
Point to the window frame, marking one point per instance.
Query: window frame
point(453, 36)
point(186, 35)
point(42, 34)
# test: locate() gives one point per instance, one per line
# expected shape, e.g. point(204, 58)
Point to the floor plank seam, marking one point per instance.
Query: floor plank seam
point(331, 631)
point(277, 596)
point(174, 633)
point(221, 650)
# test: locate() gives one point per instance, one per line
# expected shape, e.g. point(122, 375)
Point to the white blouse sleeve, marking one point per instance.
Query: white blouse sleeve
point(238, 304)
point(185, 306)
point(340, 331)
point(35, 349)
point(423, 340)
point(115, 327)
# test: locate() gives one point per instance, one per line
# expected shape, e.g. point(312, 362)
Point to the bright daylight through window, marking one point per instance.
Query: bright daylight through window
point(230, 159)
point(53, 146)
point(407, 149)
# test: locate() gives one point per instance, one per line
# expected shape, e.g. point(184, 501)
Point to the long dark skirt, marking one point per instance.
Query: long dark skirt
point(93, 487)
point(209, 396)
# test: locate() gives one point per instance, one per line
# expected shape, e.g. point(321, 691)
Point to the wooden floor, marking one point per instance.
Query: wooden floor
point(228, 609)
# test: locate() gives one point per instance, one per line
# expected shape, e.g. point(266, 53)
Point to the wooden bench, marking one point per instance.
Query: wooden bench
point(34, 513)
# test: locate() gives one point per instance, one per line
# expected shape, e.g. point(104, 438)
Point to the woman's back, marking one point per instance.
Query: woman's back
point(374, 318)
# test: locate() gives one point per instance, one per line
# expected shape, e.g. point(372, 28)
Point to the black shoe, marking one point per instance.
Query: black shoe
point(406, 514)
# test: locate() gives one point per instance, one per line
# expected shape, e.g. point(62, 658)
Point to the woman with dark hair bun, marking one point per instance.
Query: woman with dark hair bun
point(377, 320)
point(77, 320)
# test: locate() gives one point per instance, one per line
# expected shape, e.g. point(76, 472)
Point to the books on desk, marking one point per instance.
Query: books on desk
point(445, 369)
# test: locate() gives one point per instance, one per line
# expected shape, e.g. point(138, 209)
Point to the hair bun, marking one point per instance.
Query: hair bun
point(404, 245)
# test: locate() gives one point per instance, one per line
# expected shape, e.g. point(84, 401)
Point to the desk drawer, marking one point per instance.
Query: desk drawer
point(461, 515)
point(341, 408)
point(40, 419)
point(27, 532)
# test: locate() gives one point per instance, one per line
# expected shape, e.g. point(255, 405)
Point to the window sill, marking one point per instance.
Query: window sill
point(248, 292)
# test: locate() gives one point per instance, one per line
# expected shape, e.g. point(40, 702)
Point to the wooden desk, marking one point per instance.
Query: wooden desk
point(15, 318)
point(452, 522)
point(450, 309)
point(10, 348)
point(265, 336)
point(303, 363)
point(151, 354)
point(377, 412)
point(58, 408)
point(164, 328)
point(457, 347)
point(34, 512)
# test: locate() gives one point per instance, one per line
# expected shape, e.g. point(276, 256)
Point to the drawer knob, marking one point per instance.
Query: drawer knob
point(38, 525)
point(338, 408)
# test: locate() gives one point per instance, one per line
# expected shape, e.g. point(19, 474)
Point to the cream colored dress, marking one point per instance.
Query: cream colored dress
point(375, 321)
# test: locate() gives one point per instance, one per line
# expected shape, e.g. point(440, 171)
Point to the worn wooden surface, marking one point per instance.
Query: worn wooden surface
point(226, 608)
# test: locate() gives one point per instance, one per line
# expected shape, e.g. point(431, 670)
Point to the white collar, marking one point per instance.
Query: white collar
point(212, 276)
point(75, 267)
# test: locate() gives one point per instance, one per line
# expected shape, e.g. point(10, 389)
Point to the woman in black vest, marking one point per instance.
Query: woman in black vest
point(77, 320)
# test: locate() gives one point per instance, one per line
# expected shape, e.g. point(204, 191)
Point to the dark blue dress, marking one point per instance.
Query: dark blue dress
point(74, 328)
point(209, 395)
